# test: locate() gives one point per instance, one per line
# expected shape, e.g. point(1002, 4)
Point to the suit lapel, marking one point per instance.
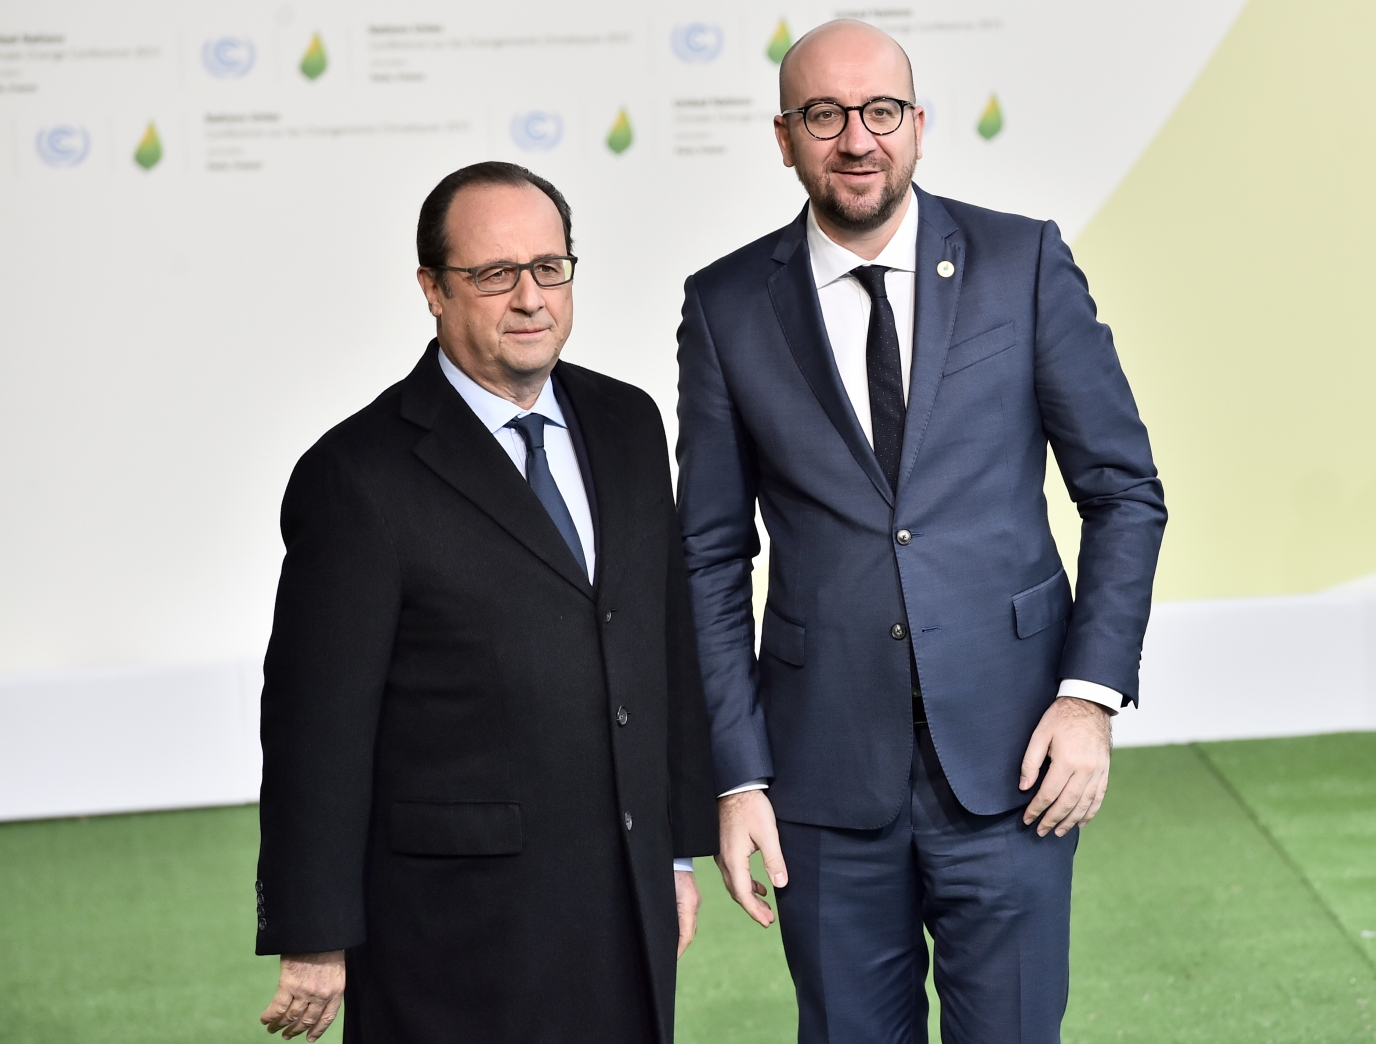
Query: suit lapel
point(461, 451)
point(794, 294)
point(938, 239)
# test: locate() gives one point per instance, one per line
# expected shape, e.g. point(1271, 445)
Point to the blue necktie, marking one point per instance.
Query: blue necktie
point(885, 371)
point(532, 428)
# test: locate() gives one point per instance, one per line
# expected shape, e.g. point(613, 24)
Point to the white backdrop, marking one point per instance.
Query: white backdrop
point(174, 338)
point(173, 334)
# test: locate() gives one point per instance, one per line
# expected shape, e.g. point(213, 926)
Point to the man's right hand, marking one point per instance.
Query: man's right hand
point(309, 993)
point(747, 826)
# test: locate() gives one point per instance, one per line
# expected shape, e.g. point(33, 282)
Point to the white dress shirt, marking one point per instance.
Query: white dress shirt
point(495, 412)
point(846, 305)
point(846, 314)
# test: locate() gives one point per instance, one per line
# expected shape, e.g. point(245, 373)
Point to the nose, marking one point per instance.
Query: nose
point(856, 139)
point(527, 296)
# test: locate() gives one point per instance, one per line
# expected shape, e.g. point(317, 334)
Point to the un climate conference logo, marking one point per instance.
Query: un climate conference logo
point(697, 42)
point(63, 145)
point(537, 131)
point(228, 58)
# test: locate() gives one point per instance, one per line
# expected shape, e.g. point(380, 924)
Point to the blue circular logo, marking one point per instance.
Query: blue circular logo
point(697, 42)
point(63, 145)
point(537, 131)
point(228, 58)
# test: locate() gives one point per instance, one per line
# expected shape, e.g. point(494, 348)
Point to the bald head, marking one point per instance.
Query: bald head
point(857, 177)
point(841, 47)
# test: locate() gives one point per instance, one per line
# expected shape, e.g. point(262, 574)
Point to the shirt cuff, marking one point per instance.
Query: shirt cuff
point(1105, 697)
point(754, 784)
point(683, 866)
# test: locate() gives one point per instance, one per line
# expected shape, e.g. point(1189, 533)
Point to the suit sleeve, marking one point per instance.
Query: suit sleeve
point(717, 484)
point(338, 603)
point(1101, 447)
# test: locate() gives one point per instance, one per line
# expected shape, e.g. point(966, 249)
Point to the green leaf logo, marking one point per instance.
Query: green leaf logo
point(620, 137)
point(991, 120)
point(779, 43)
point(149, 151)
point(314, 62)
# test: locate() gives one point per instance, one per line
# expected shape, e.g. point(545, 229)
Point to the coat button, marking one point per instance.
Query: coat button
point(622, 716)
point(903, 537)
point(898, 632)
point(628, 821)
point(608, 617)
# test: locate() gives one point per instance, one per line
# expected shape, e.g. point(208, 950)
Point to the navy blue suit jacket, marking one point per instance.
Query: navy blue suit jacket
point(1007, 357)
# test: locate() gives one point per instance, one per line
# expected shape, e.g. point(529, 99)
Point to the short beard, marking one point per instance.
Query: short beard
point(830, 204)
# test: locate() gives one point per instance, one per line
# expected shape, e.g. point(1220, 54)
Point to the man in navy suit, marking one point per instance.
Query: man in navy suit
point(928, 720)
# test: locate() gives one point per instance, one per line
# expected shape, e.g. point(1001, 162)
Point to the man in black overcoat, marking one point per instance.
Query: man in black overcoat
point(485, 751)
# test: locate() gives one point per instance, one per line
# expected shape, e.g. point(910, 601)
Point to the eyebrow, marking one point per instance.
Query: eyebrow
point(512, 261)
point(873, 97)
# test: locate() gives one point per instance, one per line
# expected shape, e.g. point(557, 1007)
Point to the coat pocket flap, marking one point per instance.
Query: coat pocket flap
point(468, 828)
point(980, 347)
point(782, 638)
point(1039, 607)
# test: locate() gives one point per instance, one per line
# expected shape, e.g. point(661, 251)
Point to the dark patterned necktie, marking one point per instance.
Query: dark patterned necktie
point(885, 372)
point(532, 429)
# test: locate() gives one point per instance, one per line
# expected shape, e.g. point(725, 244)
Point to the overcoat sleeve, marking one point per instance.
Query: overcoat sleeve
point(1101, 446)
point(692, 783)
point(338, 603)
point(717, 485)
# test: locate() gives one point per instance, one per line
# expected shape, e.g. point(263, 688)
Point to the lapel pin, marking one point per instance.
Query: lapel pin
point(945, 269)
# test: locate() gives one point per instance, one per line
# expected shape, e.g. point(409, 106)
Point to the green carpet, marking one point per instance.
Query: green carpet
point(1191, 926)
point(1226, 893)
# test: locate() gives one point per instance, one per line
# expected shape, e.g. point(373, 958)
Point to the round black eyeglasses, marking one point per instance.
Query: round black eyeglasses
point(825, 120)
point(501, 277)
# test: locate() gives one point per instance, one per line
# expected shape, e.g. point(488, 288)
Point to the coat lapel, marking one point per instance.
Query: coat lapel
point(604, 435)
point(461, 451)
point(794, 293)
point(938, 239)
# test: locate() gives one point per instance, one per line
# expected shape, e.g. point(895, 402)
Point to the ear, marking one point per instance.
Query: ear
point(919, 125)
point(785, 142)
point(434, 294)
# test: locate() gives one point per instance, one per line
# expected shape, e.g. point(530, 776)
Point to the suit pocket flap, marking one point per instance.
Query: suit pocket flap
point(1039, 607)
point(782, 638)
point(469, 828)
point(980, 347)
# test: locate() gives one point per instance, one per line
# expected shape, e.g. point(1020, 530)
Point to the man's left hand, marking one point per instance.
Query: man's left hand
point(1077, 735)
point(686, 893)
point(309, 992)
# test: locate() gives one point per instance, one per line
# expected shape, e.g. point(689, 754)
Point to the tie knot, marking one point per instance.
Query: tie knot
point(531, 428)
point(871, 277)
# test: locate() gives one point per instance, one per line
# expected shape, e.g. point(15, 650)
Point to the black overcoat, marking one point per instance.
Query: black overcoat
point(478, 768)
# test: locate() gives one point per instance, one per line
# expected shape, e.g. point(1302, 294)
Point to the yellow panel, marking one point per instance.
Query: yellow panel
point(1236, 265)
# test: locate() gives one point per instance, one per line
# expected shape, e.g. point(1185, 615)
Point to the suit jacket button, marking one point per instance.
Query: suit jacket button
point(622, 716)
point(608, 617)
point(903, 536)
point(628, 821)
point(898, 632)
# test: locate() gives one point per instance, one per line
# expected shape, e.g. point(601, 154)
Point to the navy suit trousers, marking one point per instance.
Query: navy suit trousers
point(994, 896)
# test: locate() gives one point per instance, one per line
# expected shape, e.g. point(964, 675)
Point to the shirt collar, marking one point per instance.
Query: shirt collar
point(494, 411)
point(831, 261)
